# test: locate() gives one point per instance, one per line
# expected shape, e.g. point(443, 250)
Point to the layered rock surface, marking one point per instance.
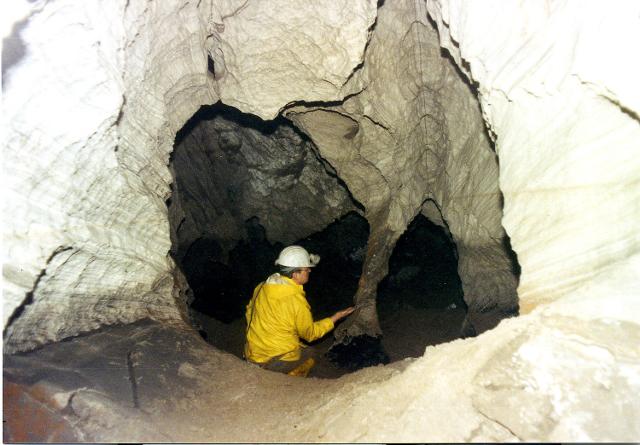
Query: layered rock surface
point(412, 138)
point(560, 100)
point(89, 130)
point(77, 221)
point(94, 104)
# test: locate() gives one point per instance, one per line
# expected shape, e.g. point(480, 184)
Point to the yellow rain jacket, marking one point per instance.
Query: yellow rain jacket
point(278, 315)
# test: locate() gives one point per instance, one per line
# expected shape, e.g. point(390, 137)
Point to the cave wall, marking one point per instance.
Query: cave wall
point(563, 104)
point(110, 221)
point(92, 109)
point(228, 169)
point(77, 222)
point(86, 233)
point(413, 134)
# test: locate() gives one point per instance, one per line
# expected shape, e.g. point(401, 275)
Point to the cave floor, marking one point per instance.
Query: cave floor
point(147, 382)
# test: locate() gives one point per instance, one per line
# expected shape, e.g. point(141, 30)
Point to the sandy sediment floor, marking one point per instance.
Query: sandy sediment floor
point(145, 382)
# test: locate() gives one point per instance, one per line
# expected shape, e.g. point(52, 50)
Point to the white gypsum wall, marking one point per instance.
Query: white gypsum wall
point(563, 101)
point(566, 371)
point(91, 110)
point(76, 232)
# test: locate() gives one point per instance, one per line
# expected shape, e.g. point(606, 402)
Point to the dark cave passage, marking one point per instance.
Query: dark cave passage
point(422, 294)
point(243, 189)
point(341, 246)
point(222, 289)
point(422, 270)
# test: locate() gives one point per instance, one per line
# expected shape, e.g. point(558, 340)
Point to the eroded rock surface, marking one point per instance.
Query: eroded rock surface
point(232, 167)
point(91, 117)
point(413, 136)
point(92, 108)
point(147, 382)
point(542, 377)
point(559, 101)
point(100, 387)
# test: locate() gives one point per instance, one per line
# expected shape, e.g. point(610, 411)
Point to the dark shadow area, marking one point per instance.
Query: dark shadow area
point(223, 289)
point(420, 302)
point(334, 280)
point(209, 112)
point(423, 271)
point(13, 50)
point(359, 352)
point(512, 255)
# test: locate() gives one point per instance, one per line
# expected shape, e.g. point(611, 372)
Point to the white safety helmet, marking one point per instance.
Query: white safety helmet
point(296, 256)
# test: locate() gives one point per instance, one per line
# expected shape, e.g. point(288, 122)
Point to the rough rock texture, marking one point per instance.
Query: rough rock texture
point(271, 54)
point(229, 168)
point(538, 378)
point(92, 110)
point(96, 385)
point(563, 103)
point(78, 223)
point(413, 136)
point(86, 229)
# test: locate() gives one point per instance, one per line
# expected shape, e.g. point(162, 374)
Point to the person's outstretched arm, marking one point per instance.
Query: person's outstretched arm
point(312, 330)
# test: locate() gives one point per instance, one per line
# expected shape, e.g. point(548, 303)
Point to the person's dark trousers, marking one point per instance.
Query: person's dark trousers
point(285, 367)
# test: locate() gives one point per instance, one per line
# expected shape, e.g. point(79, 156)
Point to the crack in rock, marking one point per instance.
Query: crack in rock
point(132, 380)
point(29, 295)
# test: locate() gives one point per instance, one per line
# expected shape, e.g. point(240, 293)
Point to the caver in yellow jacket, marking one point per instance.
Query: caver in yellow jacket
point(280, 317)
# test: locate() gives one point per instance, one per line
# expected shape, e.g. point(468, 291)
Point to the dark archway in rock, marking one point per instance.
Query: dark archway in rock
point(244, 188)
point(420, 301)
point(422, 293)
point(422, 270)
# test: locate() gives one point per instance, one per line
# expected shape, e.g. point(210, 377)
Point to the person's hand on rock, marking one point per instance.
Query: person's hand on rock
point(341, 314)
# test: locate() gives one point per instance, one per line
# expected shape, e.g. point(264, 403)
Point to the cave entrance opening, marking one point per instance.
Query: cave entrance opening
point(244, 188)
point(422, 292)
